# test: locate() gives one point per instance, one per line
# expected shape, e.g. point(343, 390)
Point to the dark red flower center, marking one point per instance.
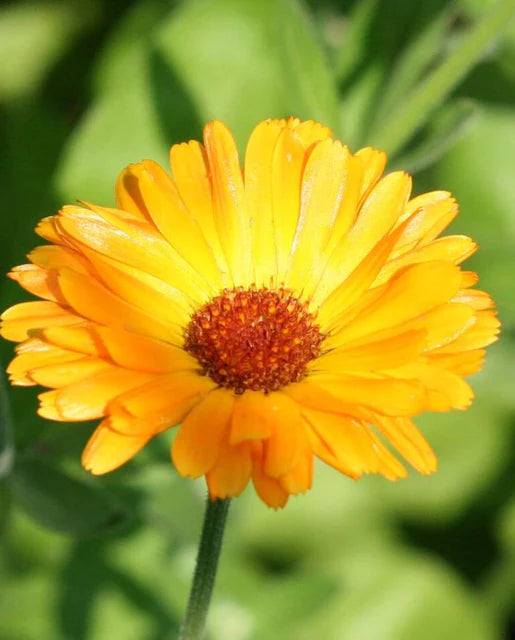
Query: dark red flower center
point(257, 339)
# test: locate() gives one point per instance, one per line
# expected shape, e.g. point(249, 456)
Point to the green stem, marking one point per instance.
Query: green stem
point(396, 130)
point(205, 571)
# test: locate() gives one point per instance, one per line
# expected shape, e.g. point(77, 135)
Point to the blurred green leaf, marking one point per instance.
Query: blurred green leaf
point(394, 594)
point(414, 112)
point(6, 431)
point(464, 441)
point(449, 124)
point(477, 171)
point(46, 27)
point(61, 502)
point(189, 75)
point(414, 60)
point(244, 61)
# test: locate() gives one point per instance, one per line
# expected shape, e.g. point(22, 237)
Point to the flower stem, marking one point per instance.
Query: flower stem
point(205, 571)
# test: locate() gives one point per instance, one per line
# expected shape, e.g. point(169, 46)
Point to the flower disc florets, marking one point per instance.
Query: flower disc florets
point(257, 339)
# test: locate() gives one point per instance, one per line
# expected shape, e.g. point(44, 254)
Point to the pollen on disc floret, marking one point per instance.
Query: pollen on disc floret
point(258, 339)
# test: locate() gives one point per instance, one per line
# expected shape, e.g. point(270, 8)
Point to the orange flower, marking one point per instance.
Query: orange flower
point(301, 307)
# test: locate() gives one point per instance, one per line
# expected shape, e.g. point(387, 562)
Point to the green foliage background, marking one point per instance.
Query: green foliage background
point(88, 86)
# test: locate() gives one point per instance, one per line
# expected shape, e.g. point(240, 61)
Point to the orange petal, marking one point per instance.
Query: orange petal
point(231, 473)
point(38, 281)
point(446, 390)
point(340, 393)
point(268, 489)
point(353, 448)
point(170, 215)
point(252, 417)
point(91, 300)
point(164, 399)
point(462, 364)
point(61, 374)
point(33, 354)
point(198, 443)
point(284, 446)
point(20, 319)
point(300, 478)
point(407, 439)
point(88, 399)
point(107, 450)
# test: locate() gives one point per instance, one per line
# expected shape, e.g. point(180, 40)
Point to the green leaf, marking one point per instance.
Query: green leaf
point(414, 112)
point(392, 594)
point(412, 63)
point(477, 170)
point(6, 432)
point(238, 61)
point(244, 61)
point(45, 27)
point(448, 126)
point(62, 503)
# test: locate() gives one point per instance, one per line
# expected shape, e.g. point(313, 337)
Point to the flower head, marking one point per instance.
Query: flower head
point(301, 306)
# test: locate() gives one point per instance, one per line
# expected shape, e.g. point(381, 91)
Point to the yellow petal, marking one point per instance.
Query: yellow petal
point(374, 162)
point(128, 193)
point(375, 355)
point(355, 285)
point(429, 213)
point(323, 185)
point(481, 333)
point(411, 293)
point(287, 166)
point(453, 249)
point(20, 319)
point(377, 216)
point(259, 198)
point(189, 167)
point(231, 220)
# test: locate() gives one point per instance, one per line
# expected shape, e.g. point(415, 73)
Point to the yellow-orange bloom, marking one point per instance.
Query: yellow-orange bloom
point(301, 306)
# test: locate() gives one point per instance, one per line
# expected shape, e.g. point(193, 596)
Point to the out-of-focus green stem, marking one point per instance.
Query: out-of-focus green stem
point(397, 129)
point(205, 571)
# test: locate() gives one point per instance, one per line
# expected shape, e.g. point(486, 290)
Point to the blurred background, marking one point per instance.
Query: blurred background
point(87, 87)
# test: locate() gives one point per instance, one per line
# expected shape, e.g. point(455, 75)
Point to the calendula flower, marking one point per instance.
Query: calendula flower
point(300, 307)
